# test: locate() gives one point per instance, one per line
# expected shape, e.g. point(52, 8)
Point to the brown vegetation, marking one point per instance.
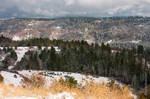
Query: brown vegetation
point(35, 87)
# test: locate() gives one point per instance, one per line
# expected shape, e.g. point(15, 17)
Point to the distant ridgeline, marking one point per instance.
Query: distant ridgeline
point(120, 32)
point(128, 66)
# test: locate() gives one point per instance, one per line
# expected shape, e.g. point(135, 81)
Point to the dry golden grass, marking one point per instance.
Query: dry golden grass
point(89, 91)
point(35, 81)
point(11, 91)
point(93, 91)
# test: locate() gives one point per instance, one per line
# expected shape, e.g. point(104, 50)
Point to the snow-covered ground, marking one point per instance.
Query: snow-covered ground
point(16, 38)
point(109, 42)
point(20, 51)
point(2, 57)
point(50, 76)
point(64, 95)
point(16, 79)
point(136, 41)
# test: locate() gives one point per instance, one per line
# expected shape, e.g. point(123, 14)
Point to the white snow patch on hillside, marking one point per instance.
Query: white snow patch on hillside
point(134, 96)
point(148, 65)
point(16, 80)
point(20, 51)
point(50, 76)
point(10, 67)
point(2, 57)
point(1, 48)
point(64, 95)
point(10, 79)
point(16, 38)
point(90, 41)
point(58, 27)
point(135, 41)
point(141, 25)
point(109, 42)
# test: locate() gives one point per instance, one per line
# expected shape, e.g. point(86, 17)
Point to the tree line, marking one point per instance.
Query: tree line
point(128, 66)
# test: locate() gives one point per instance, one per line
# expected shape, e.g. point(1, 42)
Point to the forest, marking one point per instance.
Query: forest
point(125, 65)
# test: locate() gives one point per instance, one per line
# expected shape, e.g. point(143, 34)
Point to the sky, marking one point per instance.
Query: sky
point(61, 8)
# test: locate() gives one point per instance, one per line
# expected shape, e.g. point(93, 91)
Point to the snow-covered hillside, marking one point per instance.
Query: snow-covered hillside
point(21, 51)
point(16, 78)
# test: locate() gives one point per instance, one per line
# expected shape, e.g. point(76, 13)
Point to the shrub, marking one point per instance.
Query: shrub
point(68, 82)
point(13, 55)
point(72, 83)
point(111, 83)
point(141, 96)
point(91, 90)
point(148, 91)
point(1, 78)
point(35, 81)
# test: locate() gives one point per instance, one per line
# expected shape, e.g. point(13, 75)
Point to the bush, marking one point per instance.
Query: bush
point(148, 91)
point(13, 55)
point(141, 96)
point(69, 82)
point(1, 78)
point(35, 81)
point(72, 83)
point(111, 83)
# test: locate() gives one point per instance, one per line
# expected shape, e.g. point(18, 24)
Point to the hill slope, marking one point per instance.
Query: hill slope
point(120, 32)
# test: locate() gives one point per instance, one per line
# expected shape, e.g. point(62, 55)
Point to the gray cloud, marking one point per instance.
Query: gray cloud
point(52, 8)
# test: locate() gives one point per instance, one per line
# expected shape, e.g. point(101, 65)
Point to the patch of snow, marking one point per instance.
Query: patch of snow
point(114, 51)
point(135, 41)
point(89, 41)
point(9, 78)
point(1, 48)
point(64, 95)
point(134, 96)
point(49, 48)
point(16, 38)
point(141, 25)
point(58, 27)
point(57, 49)
point(31, 24)
point(108, 42)
point(2, 58)
point(20, 51)
point(148, 65)
point(10, 67)
point(27, 29)
point(51, 76)
point(98, 21)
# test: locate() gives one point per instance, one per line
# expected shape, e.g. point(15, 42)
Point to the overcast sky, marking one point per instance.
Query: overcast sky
point(53, 8)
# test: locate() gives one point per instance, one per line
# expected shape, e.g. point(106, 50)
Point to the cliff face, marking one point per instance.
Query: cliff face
point(115, 31)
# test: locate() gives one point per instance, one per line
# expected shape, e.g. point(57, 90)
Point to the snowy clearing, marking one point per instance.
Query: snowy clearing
point(50, 76)
point(16, 79)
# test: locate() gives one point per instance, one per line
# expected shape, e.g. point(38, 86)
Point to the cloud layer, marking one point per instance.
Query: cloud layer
point(53, 8)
